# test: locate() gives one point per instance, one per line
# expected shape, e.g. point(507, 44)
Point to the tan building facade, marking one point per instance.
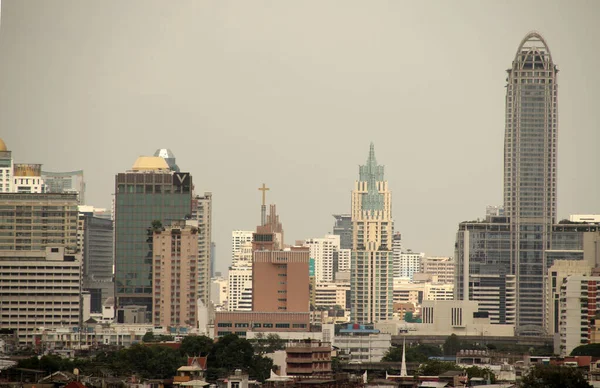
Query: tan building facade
point(280, 280)
point(240, 323)
point(174, 274)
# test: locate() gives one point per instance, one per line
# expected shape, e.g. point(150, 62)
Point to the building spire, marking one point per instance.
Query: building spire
point(263, 207)
point(372, 161)
point(403, 372)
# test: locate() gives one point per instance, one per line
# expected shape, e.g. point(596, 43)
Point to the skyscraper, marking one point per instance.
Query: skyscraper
point(6, 168)
point(202, 212)
point(149, 193)
point(343, 228)
point(530, 170)
point(372, 229)
point(65, 182)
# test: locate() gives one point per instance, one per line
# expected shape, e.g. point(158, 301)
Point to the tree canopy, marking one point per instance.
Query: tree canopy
point(417, 353)
point(587, 350)
point(554, 376)
point(452, 345)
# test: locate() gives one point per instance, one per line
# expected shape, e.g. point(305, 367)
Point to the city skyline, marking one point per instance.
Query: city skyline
point(439, 135)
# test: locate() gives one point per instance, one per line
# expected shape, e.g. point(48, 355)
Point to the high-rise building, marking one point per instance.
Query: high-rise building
point(372, 229)
point(441, 267)
point(40, 288)
point(407, 263)
point(95, 242)
point(344, 259)
point(323, 250)
point(150, 194)
point(202, 212)
point(239, 238)
point(343, 228)
point(174, 273)
point(6, 169)
point(65, 182)
point(27, 178)
point(33, 222)
point(530, 170)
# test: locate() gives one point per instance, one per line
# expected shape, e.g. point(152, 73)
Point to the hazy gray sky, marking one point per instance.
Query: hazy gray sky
point(290, 93)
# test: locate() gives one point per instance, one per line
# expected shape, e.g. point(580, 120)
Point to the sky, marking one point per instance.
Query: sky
point(291, 93)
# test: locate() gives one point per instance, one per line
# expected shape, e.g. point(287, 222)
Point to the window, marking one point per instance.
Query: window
point(282, 325)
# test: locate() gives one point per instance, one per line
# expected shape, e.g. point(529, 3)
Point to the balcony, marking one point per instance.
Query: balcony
point(299, 360)
point(294, 370)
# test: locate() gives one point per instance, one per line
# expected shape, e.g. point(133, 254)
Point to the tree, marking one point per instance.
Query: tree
point(410, 318)
point(148, 337)
point(554, 376)
point(452, 345)
point(436, 368)
point(587, 350)
point(195, 345)
point(269, 344)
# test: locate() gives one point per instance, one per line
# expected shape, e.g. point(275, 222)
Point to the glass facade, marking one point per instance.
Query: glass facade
point(141, 198)
point(530, 171)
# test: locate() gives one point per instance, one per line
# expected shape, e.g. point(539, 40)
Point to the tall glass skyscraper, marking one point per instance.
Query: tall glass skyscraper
point(150, 191)
point(530, 171)
point(372, 268)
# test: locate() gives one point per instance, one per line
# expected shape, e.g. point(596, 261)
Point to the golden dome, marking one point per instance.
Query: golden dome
point(2, 145)
point(150, 163)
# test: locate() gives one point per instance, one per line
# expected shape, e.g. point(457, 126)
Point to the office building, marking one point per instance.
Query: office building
point(343, 228)
point(496, 295)
point(40, 288)
point(407, 263)
point(95, 243)
point(202, 213)
point(174, 274)
point(239, 238)
point(396, 252)
point(27, 178)
point(240, 281)
point(372, 228)
point(324, 251)
point(6, 169)
point(33, 222)
point(330, 295)
point(587, 218)
point(440, 267)
point(530, 150)
point(362, 343)
point(557, 275)
point(579, 298)
point(65, 182)
point(150, 194)
point(344, 260)
point(308, 358)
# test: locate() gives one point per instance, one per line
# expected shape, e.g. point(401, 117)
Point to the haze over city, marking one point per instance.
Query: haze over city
point(291, 94)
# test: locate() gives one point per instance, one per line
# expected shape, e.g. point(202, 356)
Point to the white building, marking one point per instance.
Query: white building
point(578, 300)
point(331, 294)
point(557, 274)
point(497, 295)
point(238, 239)
point(460, 318)
point(363, 344)
point(323, 250)
point(219, 288)
point(442, 267)
point(415, 293)
point(39, 289)
point(407, 263)
point(589, 218)
point(344, 258)
point(27, 178)
point(6, 169)
point(240, 280)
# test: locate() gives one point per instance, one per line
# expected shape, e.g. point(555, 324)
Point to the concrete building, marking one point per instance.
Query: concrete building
point(329, 295)
point(95, 242)
point(344, 260)
point(36, 221)
point(460, 318)
point(362, 343)
point(557, 275)
point(240, 323)
point(149, 193)
point(442, 267)
point(240, 280)
point(587, 218)
point(65, 182)
point(308, 358)
point(280, 280)
point(27, 178)
point(174, 274)
point(323, 251)
point(343, 228)
point(39, 288)
point(202, 213)
point(407, 263)
point(411, 292)
point(578, 300)
point(238, 239)
point(219, 289)
point(372, 229)
point(6, 169)
point(496, 295)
